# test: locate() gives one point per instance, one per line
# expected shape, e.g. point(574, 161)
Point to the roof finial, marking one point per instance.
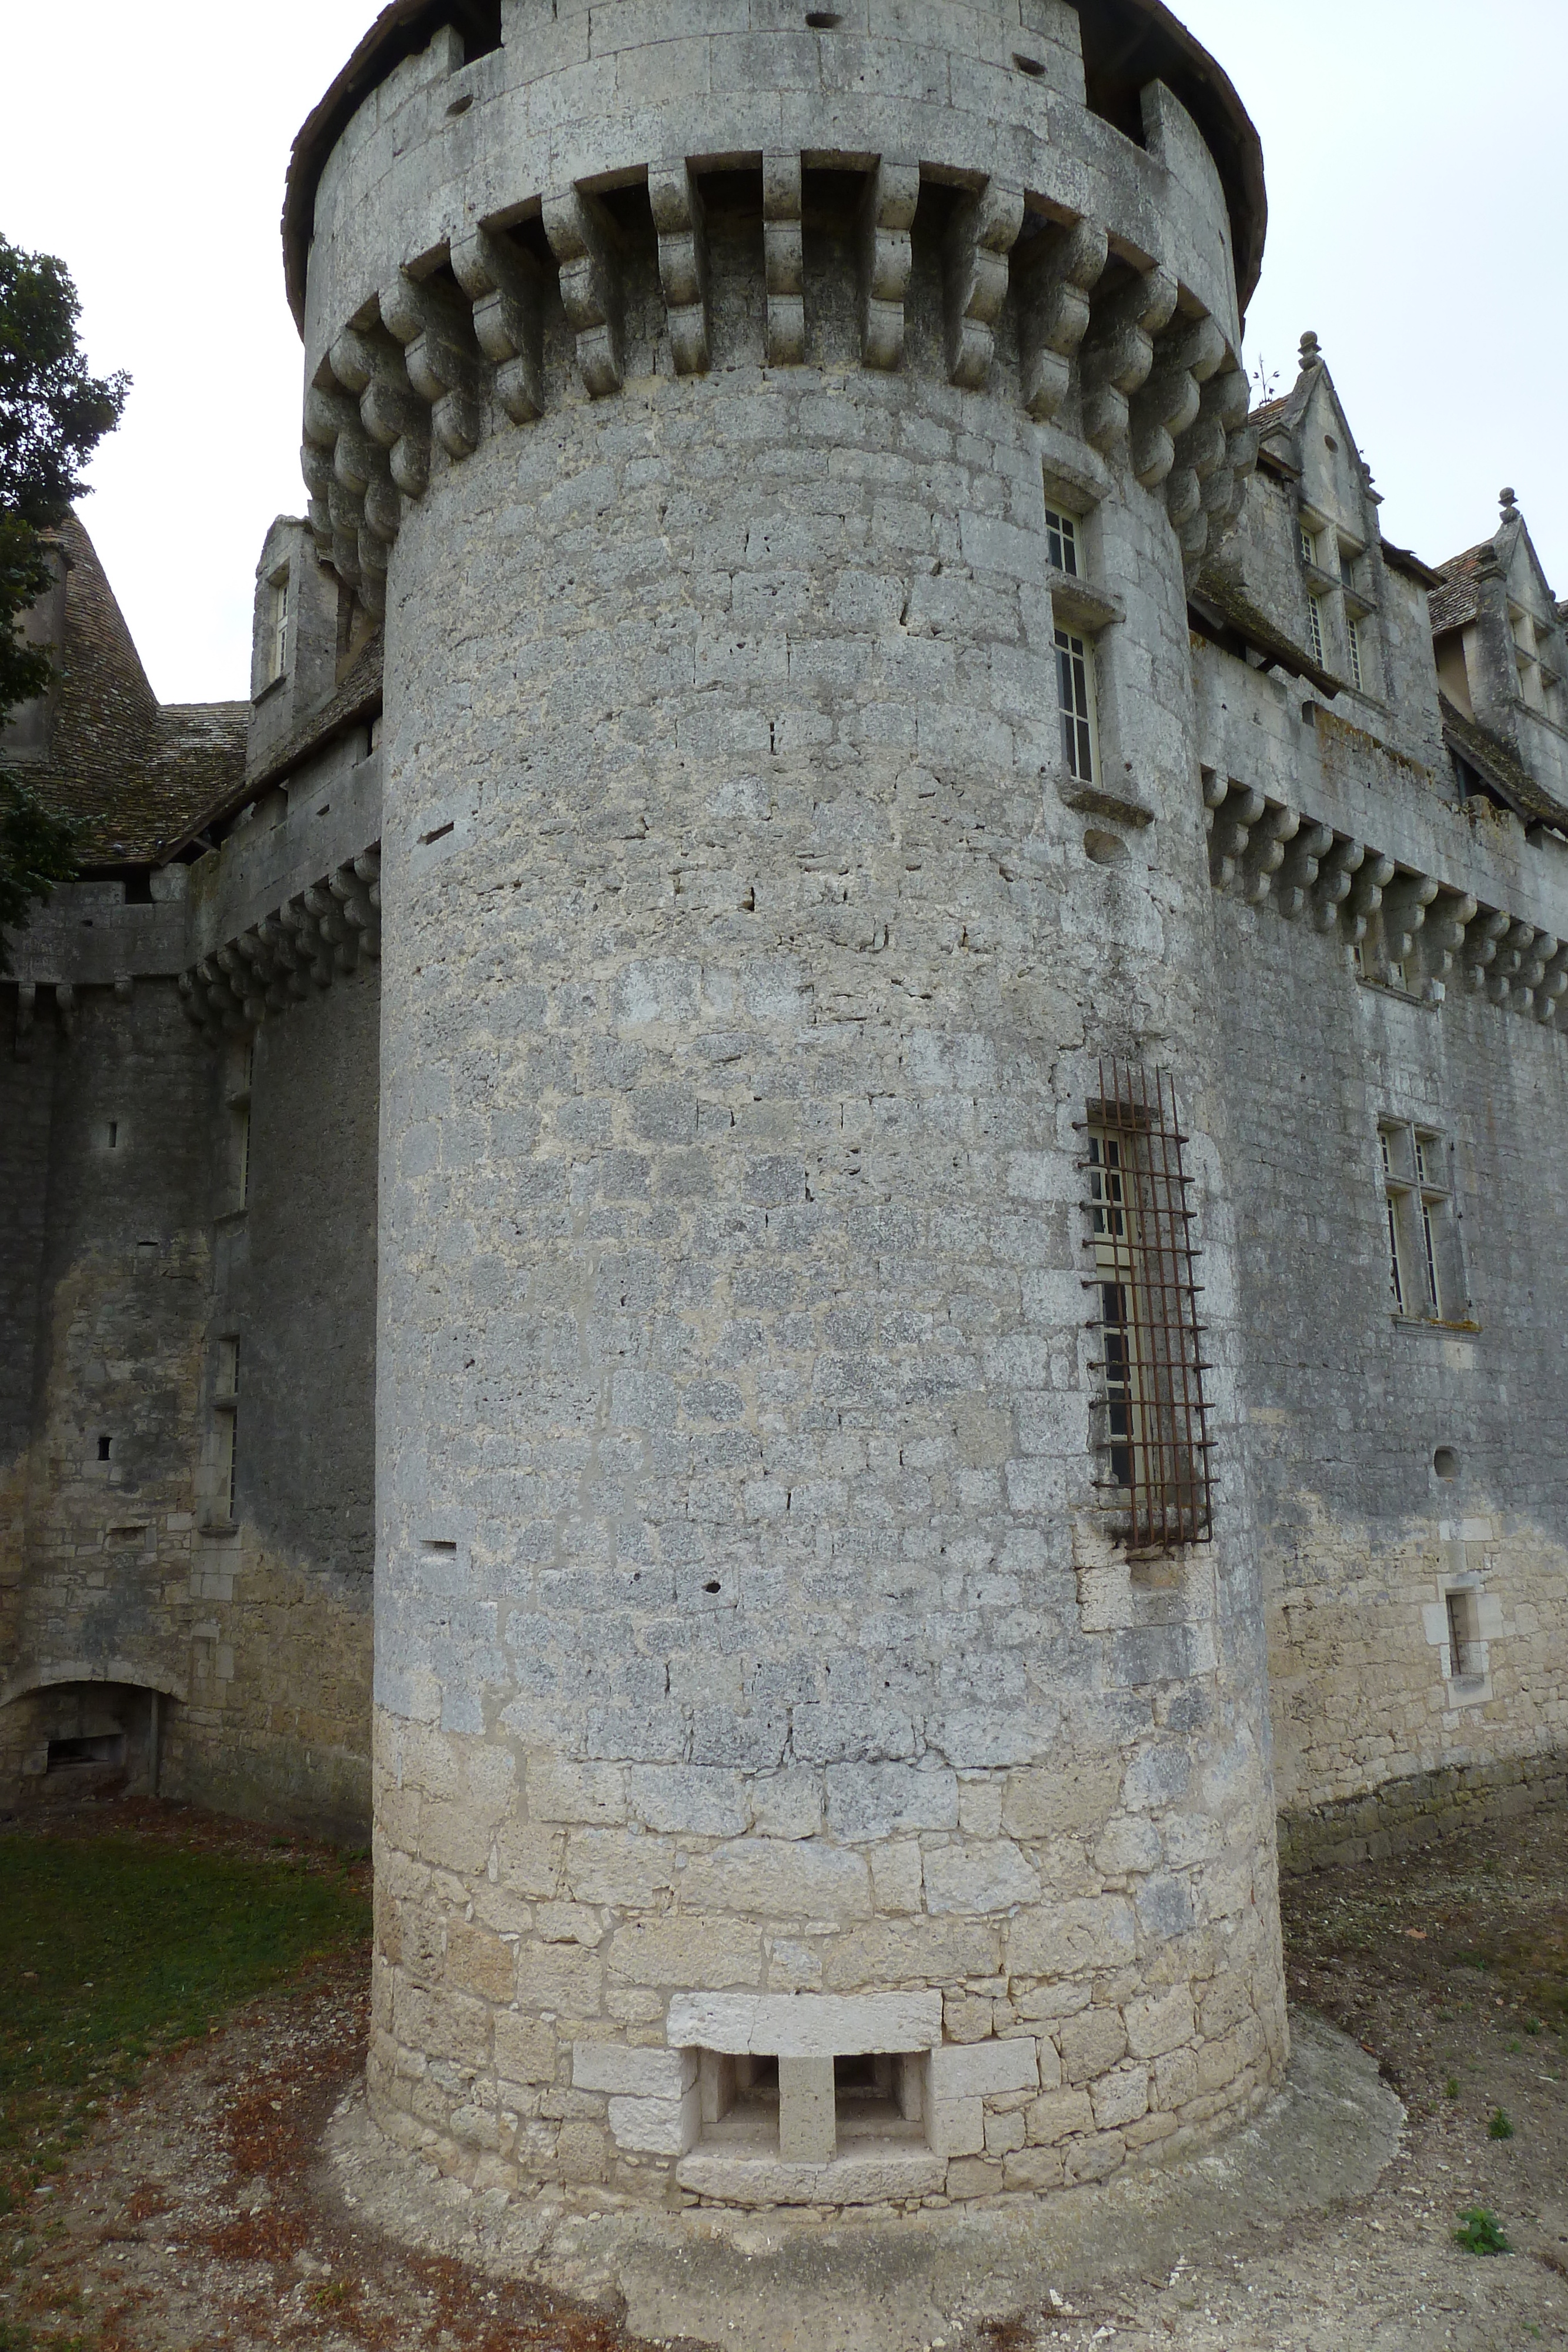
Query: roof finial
point(1311, 354)
point(1510, 506)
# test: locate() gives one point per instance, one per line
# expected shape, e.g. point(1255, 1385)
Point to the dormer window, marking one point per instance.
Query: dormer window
point(277, 638)
point(1061, 542)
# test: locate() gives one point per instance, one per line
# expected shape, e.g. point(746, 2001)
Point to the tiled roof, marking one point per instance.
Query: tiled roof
point(1456, 601)
point(126, 768)
point(1501, 768)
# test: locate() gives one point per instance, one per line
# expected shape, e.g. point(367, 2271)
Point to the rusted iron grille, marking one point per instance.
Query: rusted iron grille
point(1151, 1432)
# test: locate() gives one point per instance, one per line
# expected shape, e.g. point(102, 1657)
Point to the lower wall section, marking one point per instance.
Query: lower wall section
point(1432, 1656)
point(277, 1723)
point(1416, 1811)
point(681, 1981)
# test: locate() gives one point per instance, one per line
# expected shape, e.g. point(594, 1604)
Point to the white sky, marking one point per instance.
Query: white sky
point(1413, 148)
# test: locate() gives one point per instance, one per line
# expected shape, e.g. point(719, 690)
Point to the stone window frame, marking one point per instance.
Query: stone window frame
point(277, 629)
point(1464, 1581)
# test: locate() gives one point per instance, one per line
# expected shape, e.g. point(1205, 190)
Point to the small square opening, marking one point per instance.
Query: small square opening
point(877, 2097)
point(739, 2102)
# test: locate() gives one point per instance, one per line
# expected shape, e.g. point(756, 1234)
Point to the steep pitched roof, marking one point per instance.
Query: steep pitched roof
point(127, 769)
point(1501, 768)
point(1458, 600)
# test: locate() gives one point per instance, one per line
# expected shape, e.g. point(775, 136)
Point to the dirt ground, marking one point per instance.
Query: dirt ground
point(201, 2213)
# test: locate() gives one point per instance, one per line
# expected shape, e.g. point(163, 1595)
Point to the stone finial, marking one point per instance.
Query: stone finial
point(1311, 351)
point(1510, 506)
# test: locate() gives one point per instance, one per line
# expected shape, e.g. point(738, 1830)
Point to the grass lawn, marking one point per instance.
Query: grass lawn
point(114, 1947)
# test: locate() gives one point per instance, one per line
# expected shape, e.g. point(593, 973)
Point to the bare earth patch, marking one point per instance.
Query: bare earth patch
point(202, 2212)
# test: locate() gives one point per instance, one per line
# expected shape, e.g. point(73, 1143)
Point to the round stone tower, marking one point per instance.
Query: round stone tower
point(821, 1744)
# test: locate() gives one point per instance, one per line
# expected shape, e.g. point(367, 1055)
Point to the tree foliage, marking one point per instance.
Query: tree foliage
point(53, 414)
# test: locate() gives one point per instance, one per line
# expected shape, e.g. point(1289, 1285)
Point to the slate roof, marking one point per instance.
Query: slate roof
point(1501, 768)
point(128, 769)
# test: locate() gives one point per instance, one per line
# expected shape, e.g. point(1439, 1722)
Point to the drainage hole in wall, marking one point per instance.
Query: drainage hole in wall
point(1446, 1462)
point(114, 1135)
point(461, 105)
point(439, 1545)
point(104, 1443)
point(713, 1586)
point(1033, 67)
point(1104, 849)
point(823, 20)
point(440, 833)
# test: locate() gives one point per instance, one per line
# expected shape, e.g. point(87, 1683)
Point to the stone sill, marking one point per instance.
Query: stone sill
point(218, 1528)
point(867, 2176)
point(1434, 1323)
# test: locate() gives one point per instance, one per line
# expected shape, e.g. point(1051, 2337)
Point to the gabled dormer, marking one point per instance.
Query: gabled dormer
point(1308, 562)
point(1502, 661)
point(1307, 444)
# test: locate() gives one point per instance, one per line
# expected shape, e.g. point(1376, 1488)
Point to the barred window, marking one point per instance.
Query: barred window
point(1075, 692)
point(1151, 1435)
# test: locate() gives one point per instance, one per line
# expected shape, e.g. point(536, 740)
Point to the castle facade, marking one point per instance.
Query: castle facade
point(809, 1207)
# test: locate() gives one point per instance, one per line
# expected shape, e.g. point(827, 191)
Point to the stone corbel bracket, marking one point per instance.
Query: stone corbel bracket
point(302, 945)
point(1261, 851)
point(505, 286)
point(435, 327)
point(885, 253)
point(1056, 277)
point(583, 244)
point(1118, 353)
point(982, 233)
point(682, 227)
point(455, 343)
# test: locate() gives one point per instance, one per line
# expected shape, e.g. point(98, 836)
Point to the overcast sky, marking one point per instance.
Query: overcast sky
point(1414, 155)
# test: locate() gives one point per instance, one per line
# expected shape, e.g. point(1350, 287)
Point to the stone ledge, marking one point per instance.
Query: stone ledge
point(896, 2176)
point(806, 2025)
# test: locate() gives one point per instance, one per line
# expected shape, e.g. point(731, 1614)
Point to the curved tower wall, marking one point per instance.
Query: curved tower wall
point(756, 1684)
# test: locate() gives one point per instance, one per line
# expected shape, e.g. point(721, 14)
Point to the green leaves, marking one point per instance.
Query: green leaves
point(53, 413)
point(36, 850)
point(1481, 2232)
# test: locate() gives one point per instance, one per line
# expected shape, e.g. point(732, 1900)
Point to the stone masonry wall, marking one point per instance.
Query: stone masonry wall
point(121, 1577)
point(743, 1625)
point(1360, 1536)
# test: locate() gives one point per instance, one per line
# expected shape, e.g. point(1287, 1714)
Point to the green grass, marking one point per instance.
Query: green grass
point(112, 1949)
point(1500, 2126)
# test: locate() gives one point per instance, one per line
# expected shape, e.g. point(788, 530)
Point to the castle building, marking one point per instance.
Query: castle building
point(842, 1114)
